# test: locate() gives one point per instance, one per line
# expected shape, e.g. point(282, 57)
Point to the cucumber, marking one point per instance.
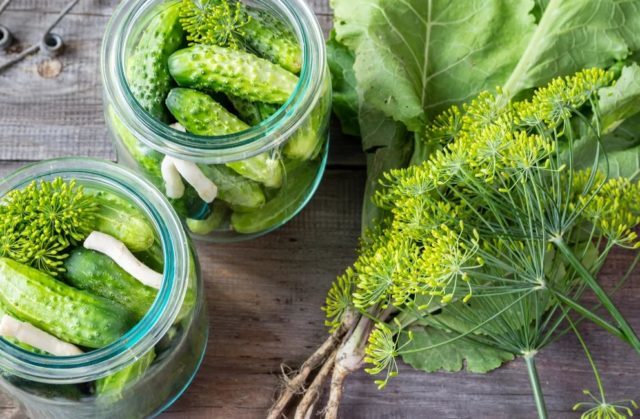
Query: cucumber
point(203, 227)
point(100, 275)
point(306, 143)
point(122, 220)
point(250, 112)
point(113, 386)
point(283, 205)
point(147, 71)
point(271, 39)
point(240, 193)
point(74, 316)
point(199, 114)
point(210, 67)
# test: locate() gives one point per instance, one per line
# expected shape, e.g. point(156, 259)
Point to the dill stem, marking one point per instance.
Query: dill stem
point(624, 326)
point(535, 384)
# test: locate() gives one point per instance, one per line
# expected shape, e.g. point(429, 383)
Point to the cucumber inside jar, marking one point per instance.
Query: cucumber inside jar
point(235, 66)
point(79, 267)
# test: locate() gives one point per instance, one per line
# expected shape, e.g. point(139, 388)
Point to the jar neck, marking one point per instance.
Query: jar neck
point(119, 40)
point(103, 175)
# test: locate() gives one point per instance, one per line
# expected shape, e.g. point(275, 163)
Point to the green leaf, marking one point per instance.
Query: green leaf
point(343, 79)
point(576, 34)
point(415, 58)
point(464, 353)
point(622, 100)
point(623, 163)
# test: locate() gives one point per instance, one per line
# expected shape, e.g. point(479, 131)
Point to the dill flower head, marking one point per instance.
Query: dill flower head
point(600, 409)
point(214, 22)
point(40, 221)
point(339, 299)
point(382, 350)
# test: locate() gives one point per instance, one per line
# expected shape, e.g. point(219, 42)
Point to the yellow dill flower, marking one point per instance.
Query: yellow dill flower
point(382, 350)
point(339, 299)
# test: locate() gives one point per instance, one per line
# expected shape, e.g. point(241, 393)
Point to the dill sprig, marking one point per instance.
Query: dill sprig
point(38, 223)
point(214, 22)
point(499, 230)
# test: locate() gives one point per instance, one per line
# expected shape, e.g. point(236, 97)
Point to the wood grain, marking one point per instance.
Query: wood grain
point(264, 295)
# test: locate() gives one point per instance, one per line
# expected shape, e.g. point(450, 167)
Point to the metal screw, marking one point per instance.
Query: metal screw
point(5, 37)
point(50, 43)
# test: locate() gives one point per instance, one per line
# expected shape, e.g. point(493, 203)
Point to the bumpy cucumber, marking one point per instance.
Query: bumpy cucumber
point(283, 205)
point(210, 67)
point(100, 275)
point(271, 39)
point(240, 193)
point(250, 112)
point(200, 114)
point(147, 71)
point(113, 386)
point(74, 316)
point(308, 140)
point(203, 227)
point(122, 220)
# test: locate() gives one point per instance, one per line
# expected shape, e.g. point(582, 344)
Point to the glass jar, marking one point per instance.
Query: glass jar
point(294, 140)
point(149, 367)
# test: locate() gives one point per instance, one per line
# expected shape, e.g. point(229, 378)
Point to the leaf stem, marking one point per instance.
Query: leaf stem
point(625, 327)
point(535, 384)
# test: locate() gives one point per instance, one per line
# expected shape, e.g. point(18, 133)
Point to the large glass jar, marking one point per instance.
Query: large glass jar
point(291, 144)
point(149, 367)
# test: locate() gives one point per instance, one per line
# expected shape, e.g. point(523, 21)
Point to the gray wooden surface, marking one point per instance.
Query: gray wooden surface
point(264, 295)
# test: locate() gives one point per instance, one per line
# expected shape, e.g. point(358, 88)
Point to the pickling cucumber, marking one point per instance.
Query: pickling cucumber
point(241, 194)
point(112, 386)
point(271, 39)
point(147, 72)
point(210, 67)
point(203, 227)
point(283, 205)
point(250, 112)
point(100, 275)
point(122, 220)
point(75, 316)
point(199, 114)
point(306, 143)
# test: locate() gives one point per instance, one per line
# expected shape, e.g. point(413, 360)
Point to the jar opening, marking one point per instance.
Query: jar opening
point(216, 149)
point(103, 175)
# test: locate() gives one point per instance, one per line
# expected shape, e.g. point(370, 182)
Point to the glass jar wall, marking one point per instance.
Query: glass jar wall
point(235, 135)
point(147, 368)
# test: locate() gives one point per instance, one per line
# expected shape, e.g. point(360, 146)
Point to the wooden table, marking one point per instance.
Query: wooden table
point(265, 295)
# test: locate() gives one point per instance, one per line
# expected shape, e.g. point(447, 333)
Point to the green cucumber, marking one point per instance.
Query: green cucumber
point(199, 114)
point(210, 67)
point(203, 227)
point(283, 205)
point(250, 112)
point(147, 71)
point(113, 386)
point(122, 220)
point(240, 193)
point(271, 39)
point(306, 143)
point(74, 316)
point(100, 275)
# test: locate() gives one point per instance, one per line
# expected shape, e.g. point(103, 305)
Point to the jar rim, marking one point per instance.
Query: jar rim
point(155, 324)
point(217, 149)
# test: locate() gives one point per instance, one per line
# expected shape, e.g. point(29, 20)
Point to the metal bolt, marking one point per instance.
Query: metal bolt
point(52, 44)
point(5, 37)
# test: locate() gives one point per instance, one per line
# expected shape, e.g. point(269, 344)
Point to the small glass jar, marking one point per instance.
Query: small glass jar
point(175, 328)
point(295, 137)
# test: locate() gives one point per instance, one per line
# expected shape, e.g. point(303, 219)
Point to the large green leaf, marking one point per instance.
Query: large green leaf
point(414, 58)
point(463, 353)
point(576, 34)
point(622, 100)
point(623, 163)
point(343, 79)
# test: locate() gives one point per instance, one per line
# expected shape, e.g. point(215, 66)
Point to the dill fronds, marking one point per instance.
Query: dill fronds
point(38, 223)
point(214, 22)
